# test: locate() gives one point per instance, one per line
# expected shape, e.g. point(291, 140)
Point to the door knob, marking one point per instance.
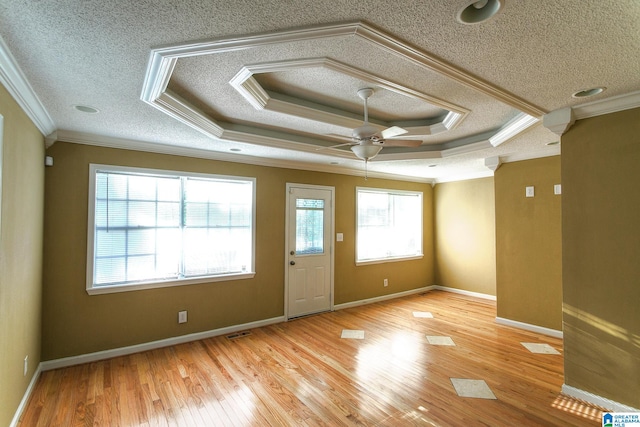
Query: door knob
point(292, 262)
point(292, 252)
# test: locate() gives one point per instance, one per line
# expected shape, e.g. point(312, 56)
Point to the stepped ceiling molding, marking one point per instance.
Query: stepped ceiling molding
point(267, 84)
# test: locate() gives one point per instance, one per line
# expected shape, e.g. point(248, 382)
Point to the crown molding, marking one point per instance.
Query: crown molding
point(550, 151)
point(292, 65)
point(162, 59)
point(162, 63)
point(12, 77)
point(516, 125)
point(252, 91)
point(560, 120)
point(423, 59)
point(150, 147)
point(467, 148)
point(465, 177)
point(176, 107)
point(606, 106)
point(493, 163)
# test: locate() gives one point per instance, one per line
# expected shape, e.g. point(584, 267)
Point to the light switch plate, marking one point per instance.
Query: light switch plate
point(339, 237)
point(182, 317)
point(557, 189)
point(529, 191)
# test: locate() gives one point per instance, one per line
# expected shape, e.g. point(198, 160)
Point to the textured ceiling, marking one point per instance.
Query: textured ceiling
point(527, 60)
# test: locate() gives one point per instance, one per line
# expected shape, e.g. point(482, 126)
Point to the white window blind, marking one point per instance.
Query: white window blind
point(155, 226)
point(389, 225)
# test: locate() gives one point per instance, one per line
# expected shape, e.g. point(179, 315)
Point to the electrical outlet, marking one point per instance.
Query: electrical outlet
point(26, 366)
point(386, 282)
point(182, 316)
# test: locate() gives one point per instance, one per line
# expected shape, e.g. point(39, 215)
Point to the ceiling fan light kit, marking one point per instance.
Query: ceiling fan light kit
point(366, 151)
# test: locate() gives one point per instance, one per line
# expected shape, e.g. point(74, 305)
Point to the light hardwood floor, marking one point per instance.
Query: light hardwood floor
point(302, 373)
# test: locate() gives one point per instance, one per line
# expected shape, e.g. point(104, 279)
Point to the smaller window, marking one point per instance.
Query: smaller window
point(388, 225)
point(151, 228)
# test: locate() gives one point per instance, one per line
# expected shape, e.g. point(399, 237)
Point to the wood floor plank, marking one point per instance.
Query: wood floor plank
point(303, 373)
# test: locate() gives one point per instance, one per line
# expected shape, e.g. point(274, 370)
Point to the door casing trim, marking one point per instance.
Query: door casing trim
point(332, 233)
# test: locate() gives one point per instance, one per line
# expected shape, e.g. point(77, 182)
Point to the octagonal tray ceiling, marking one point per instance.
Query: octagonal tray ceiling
point(297, 89)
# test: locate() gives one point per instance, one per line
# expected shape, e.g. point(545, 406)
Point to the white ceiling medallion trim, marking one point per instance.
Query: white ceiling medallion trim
point(150, 147)
point(516, 125)
point(12, 78)
point(162, 63)
point(250, 89)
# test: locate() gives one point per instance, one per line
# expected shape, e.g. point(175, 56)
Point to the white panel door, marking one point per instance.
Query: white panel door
point(309, 257)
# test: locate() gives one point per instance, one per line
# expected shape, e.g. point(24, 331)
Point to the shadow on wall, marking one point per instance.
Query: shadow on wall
point(616, 351)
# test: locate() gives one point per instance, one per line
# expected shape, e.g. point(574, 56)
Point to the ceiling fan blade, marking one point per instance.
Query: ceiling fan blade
point(400, 143)
point(343, 145)
point(393, 131)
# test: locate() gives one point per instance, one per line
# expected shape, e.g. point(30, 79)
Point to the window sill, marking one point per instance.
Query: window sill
point(385, 260)
point(98, 290)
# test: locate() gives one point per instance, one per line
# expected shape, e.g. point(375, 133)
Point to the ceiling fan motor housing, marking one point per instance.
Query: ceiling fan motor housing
point(365, 131)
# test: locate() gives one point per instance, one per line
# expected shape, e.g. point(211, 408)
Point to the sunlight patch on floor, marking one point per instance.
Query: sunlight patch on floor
point(578, 407)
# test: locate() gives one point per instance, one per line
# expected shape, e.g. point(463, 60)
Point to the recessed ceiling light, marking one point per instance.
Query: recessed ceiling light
point(479, 11)
point(86, 109)
point(589, 92)
point(235, 150)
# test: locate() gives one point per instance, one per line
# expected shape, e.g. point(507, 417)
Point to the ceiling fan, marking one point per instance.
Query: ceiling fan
point(368, 140)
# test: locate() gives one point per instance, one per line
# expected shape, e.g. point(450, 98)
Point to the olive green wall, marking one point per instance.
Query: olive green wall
point(601, 256)
point(21, 253)
point(465, 239)
point(75, 323)
point(529, 243)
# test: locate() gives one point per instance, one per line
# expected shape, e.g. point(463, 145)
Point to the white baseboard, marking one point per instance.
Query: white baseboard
point(596, 400)
point(381, 298)
point(27, 395)
point(529, 327)
point(122, 351)
point(463, 292)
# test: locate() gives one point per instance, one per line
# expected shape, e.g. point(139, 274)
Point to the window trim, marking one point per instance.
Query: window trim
point(393, 258)
point(153, 284)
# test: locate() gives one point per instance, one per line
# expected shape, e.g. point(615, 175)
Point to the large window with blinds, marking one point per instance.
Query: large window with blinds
point(152, 228)
point(388, 225)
